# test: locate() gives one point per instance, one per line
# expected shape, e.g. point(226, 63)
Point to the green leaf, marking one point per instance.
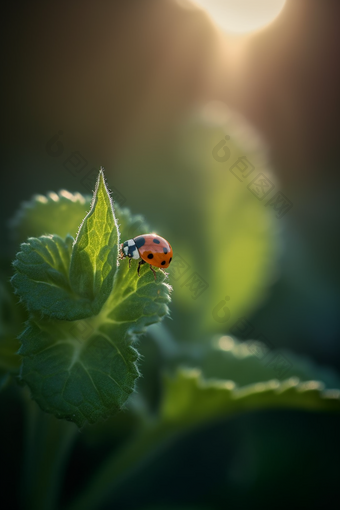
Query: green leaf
point(70, 283)
point(190, 400)
point(245, 263)
point(77, 349)
point(56, 213)
point(85, 370)
point(252, 361)
point(95, 252)
point(192, 397)
point(42, 281)
point(79, 370)
point(61, 214)
point(217, 209)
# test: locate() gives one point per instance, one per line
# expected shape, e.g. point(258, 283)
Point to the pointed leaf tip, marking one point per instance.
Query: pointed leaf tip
point(95, 252)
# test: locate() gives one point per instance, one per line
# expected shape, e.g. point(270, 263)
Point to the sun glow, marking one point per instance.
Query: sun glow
point(242, 16)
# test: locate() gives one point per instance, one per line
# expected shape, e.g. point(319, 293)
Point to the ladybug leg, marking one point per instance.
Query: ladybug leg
point(130, 260)
point(154, 272)
point(141, 262)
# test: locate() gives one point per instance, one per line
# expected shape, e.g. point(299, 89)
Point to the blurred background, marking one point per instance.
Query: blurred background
point(172, 98)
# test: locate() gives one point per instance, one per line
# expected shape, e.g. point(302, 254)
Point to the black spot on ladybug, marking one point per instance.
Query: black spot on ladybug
point(165, 250)
point(156, 241)
point(139, 241)
point(150, 256)
point(163, 262)
point(170, 260)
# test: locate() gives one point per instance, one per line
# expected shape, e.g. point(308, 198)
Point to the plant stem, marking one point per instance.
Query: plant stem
point(118, 466)
point(48, 442)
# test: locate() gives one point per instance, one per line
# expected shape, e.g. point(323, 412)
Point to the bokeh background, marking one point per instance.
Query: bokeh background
point(148, 90)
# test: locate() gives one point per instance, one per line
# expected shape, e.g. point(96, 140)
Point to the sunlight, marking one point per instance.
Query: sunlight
point(242, 16)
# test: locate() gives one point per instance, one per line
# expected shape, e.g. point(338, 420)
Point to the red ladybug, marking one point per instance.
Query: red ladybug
point(150, 248)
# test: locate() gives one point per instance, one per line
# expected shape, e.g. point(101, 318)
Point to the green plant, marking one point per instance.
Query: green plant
point(79, 358)
point(85, 310)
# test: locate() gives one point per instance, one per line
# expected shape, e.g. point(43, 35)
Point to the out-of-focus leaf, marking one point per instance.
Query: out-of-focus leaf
point(130, 226)
point(225, 239)
point(56, 213)
point(252, 361)
point(231, 376)
point(232, 252)
point(189, 399)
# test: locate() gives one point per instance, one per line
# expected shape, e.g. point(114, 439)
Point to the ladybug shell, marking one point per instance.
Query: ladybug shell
point(154, 250)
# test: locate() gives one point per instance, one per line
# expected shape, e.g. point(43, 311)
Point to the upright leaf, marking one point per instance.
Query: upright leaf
point(95, 252)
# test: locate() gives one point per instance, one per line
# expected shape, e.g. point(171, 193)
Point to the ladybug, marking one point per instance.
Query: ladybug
point(149, 248)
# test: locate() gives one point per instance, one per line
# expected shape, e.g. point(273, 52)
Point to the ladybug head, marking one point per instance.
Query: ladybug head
point(129, 249)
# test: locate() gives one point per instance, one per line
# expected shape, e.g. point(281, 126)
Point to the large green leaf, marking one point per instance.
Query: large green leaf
point(233, 241)
point(239, 377)
point(225, 239)
point(190, 399)
point(78, 357)
point(85, 370)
